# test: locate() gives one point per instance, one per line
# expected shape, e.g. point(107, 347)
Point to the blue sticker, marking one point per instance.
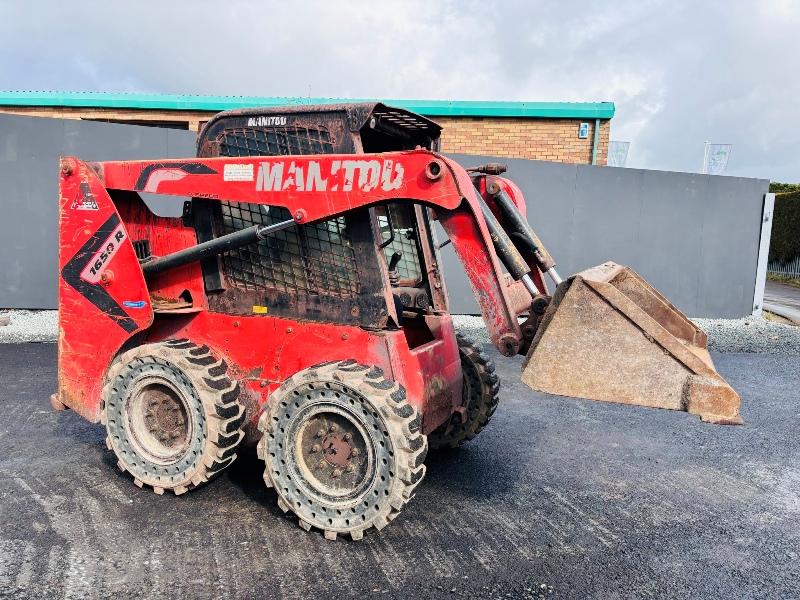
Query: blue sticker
point(134, 303)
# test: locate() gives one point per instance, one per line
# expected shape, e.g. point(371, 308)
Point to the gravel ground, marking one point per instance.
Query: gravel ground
point(28, 326)
point(751, 334)
point(557, 498)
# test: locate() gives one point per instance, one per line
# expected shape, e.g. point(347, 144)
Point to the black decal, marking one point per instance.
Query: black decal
point(192, 168)
point(85, 200)
point(94, 292)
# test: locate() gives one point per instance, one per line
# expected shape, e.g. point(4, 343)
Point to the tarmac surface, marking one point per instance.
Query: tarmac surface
point(557, 498)
point(782, 299)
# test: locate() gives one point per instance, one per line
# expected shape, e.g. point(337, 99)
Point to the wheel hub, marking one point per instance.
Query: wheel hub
point(333, 452)
point(164, 417)
point(159, 421)
point(336, 450)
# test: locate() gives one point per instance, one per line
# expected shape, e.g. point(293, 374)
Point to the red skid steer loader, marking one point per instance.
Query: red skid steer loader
point(298, 304)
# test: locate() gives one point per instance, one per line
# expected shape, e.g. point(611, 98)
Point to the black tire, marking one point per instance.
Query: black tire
point(336, 483)
point(172, 415)
point(480, 390)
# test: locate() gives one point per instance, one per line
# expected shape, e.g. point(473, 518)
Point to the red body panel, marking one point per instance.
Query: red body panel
point(166, 235)
point(93, 319)
point(262, 350)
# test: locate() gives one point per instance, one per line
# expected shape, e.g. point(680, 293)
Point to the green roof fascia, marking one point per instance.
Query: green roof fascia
point(433, 108)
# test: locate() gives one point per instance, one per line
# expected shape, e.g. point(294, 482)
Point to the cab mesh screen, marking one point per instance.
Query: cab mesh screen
point(310, 259)
point(276, 141)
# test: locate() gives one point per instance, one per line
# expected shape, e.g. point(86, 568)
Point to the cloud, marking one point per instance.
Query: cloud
point(680, 72)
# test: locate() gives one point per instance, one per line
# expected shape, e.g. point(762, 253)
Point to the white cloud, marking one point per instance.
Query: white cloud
point(680, 72)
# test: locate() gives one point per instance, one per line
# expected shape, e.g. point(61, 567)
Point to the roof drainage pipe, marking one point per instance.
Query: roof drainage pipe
point(595, 140)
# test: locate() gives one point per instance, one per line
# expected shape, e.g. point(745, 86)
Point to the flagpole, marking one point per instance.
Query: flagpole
point(705, 158)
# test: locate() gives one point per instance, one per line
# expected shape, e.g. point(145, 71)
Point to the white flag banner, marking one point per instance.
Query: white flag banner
point(716, 158)
point(618, 153)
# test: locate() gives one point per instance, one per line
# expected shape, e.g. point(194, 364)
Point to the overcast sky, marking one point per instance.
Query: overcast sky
point(680, 72)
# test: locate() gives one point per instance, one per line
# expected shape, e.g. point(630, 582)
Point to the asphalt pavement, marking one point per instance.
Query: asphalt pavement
point(782, 299)
point(558, 498)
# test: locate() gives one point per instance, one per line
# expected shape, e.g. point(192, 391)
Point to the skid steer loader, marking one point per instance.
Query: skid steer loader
point(298, 305)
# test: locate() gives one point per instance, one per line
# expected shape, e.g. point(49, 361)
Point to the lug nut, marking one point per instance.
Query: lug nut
point(354, 452)
point(315, 448)
point(350, 468)
point(336, 473)
point(320, 433)
point(347, 437)
point(322, 464)
point(333, 428)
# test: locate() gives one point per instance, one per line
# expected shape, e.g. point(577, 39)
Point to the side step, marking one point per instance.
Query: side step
point(609, 335)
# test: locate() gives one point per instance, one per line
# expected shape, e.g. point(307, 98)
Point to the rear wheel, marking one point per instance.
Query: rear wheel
point(342, 448)
point(172, 415)
point(480, 392)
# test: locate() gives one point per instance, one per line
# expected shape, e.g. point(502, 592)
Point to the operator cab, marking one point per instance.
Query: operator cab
point(375, 267)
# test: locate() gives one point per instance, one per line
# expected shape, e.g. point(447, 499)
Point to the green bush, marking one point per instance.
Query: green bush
point(783, 188)
point(785, 242)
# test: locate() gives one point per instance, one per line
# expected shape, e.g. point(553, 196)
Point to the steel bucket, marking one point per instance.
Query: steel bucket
point(609, 335)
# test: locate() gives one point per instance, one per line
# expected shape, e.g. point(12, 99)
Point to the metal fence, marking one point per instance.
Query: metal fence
point(29, 151)
point(789, 269)
point(695, 237)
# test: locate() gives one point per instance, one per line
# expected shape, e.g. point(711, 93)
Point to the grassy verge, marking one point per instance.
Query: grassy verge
point(793, 281)
point(777, 318)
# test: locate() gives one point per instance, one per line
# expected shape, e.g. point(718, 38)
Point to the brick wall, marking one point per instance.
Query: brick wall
point(543, 139)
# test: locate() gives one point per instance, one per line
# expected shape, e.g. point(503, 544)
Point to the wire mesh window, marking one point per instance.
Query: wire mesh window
point(275, 141)
point(310, 259)
point(316, 258)
point(404, 242)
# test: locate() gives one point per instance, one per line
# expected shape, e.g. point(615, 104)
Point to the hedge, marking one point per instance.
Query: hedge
point(785, 242)
point(783, 188)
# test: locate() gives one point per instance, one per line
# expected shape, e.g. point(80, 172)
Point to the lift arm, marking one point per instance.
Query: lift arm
point(316, 187)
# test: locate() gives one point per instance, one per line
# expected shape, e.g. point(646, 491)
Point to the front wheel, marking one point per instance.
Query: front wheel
point(342, 448)
point(480, 395)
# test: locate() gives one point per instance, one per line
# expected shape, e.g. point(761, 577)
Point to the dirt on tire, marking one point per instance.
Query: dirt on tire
point(347, 392)
point(209, 403)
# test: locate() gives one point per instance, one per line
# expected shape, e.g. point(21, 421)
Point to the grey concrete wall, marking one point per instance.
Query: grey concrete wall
point(694, 237)
point(29, 152)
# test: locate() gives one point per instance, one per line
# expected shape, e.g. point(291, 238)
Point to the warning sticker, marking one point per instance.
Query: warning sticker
point(238, 173)
point(260, 310)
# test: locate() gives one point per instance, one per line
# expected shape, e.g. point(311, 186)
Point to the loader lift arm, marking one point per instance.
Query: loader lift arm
point(319, 187)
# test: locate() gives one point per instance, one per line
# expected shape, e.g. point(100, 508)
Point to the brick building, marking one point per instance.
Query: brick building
point(575, 132)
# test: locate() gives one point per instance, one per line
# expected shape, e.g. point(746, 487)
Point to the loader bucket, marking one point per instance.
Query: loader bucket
point(609, 335)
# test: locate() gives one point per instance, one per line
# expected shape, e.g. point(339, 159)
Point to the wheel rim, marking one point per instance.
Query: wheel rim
point(334, 456)
point(159, 421)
